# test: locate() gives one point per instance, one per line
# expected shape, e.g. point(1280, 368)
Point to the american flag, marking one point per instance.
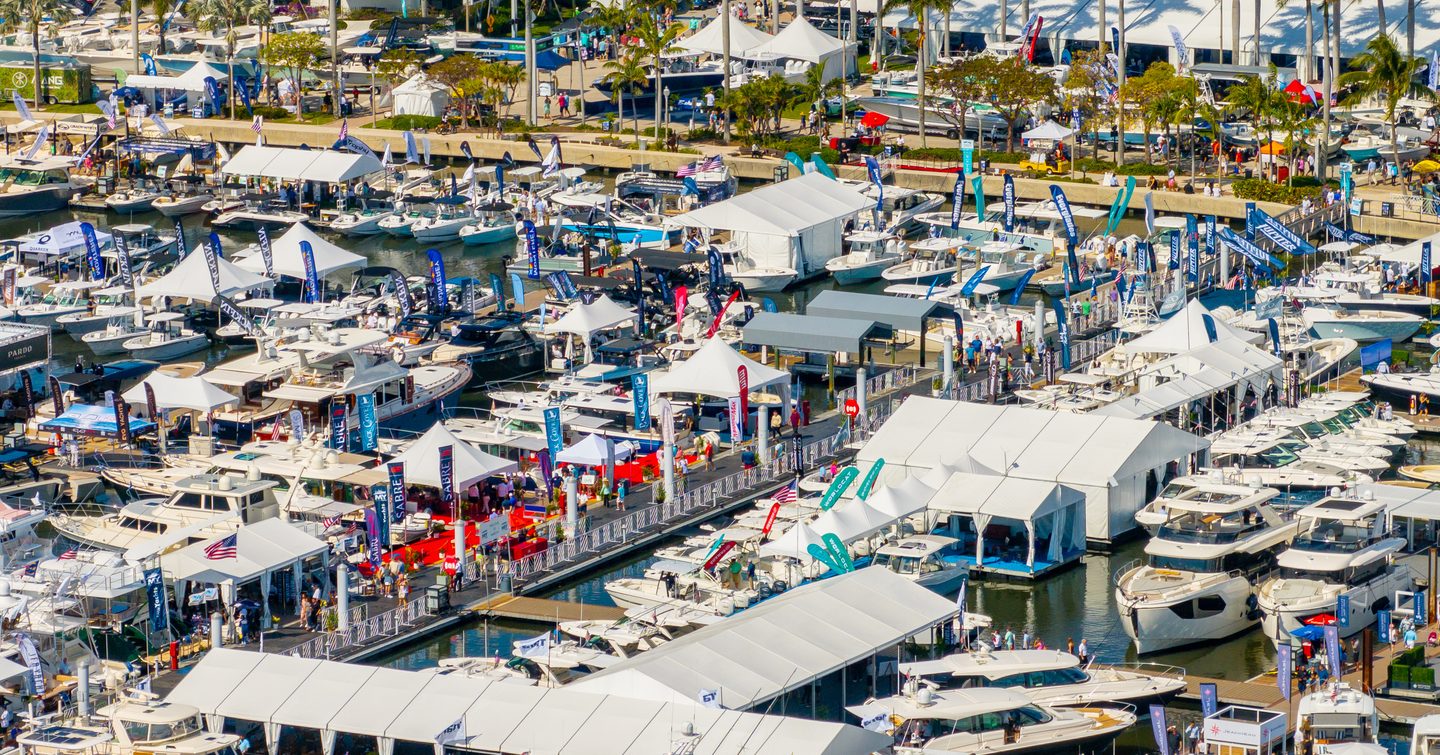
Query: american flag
point(222, 549)
point(68, 555)
point(330, 522)
point(344, 130)
point(713, 162)
point(258, 122)
point(788, 494)
point(685, 171)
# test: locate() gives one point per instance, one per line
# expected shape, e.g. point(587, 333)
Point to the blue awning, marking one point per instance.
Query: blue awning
point(550, 60)
point(93, 420)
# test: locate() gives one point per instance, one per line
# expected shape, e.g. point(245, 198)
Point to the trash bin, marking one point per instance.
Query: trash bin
point(437, 600)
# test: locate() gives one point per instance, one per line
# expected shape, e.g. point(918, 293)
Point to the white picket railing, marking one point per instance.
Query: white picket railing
point(360, 633)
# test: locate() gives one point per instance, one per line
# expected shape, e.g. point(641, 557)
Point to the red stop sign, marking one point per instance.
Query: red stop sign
point(852, 407)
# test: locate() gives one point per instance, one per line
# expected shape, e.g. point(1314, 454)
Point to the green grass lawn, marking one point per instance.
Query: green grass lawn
point(88, 109)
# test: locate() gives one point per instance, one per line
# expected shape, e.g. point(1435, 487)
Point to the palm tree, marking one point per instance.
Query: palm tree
point(1386, 73)
point(222, 15)
point(162, 10)
point(626, 72)
point(28, 16)
point(655, 39)
point(920, 11)
point(1258, 97)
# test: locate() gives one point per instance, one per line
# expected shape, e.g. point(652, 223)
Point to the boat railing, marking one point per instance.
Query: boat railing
point(1148, 669)
point(359, 633)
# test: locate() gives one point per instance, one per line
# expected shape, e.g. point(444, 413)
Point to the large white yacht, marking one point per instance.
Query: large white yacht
point(131, 727)
point(1344, 548)
point(1334, 716)
point(926, 722)
point(202, 507)
point(1052, 677)
point(1197, 582)
point(1213, 487)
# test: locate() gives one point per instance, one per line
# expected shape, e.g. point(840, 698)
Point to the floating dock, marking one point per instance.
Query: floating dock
point(542, 610)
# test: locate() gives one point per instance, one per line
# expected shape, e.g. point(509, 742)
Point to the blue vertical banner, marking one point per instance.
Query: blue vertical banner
point(640, 397)
point(396, 472)
point(381, 511)
point(1063, 331)
point(339, 426)
point(437, 279)
point(372, 538)
point(1382, 621)
point(155, 597)
point(532, 250)
point(1174, 250)
point(517, 290)
point(554, 440)
point(122, 261)
point(872, 169)
point(1421, 618)
point(92, 252)
point(1062, 206)
point(1283, 667)
point(1250, 220)
point(957, 199)
point(1332, 650)
point(1007, 193)
point(497, 287)
point(369, 428)
point(447, 478)
point(1157, 727)
point(1342, 610)
point(1192, 237)
point(312, 277)
point(180, 248)
point(212, 261)
point(1209, 235)
point(1427, 266)
point(1209, 699)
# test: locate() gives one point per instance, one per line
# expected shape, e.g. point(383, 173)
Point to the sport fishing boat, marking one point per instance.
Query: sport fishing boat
point(1345, 547)
point(167, 338)
point(871, 253)
point(493, 223)
point(1051, 677)
point(1196, 584)
point(202, 507)
point(932, 261)
point(64, 298)
point(1362, 325)
point(927, 722)
point(110, 302)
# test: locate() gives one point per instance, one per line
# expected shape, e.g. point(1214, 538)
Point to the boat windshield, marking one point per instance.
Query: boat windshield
point(1196, 565)
point(1206, 527)
point(1281, 454)
point(1335, 425)
point(149, 732)
point(926, 729)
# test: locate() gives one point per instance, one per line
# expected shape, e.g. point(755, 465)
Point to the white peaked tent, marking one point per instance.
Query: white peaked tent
point(591, 451)
point(287, 261)
point(421, 95)
point(194, 393)
point(1187, 330)
point(585, 320)
point(709, 39)
point(794, 543)
point(802, 41)
point(66, 239)
point(852, 520)
point(906, 498)
point(712, 371)
point(1049, 130)
point(192, 80)
point(422, 460)
point(190, 279)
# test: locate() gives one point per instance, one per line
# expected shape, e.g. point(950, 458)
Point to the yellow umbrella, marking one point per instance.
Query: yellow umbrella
point(1273, 148)
point(1426, 166)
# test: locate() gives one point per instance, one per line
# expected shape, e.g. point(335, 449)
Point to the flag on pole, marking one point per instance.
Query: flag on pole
point(222, 549)
point(788, 494)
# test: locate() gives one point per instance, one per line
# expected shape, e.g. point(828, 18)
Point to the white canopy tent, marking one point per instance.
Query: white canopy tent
point(194, 393)
point(422, 460)
point(800, 40)
point(420, 95)
point(852, 520)
point(1049, 131)
point(262, 549)
point(65, 239)
point(593, 451)
point(315, 165)
point(905, 498)
point(1187, 330)
point(190, 279)
point(287, 260)
point(797, 224)
point(1117, 463)
point(794, 543)
point(192, 80)
point(585, 320)
point(713, 371)
point(496, 716)
point(710, 38)
point(1046, 511)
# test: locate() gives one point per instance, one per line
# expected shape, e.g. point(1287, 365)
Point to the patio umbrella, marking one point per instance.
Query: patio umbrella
point(1425, 166)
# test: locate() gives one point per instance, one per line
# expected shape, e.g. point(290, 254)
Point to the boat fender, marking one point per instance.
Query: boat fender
point(780, 586)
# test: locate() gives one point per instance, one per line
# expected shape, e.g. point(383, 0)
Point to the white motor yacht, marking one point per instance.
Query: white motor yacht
point(110, 302)
point(133, 726)
point(494, 223)
point(1362, 325)
point(932, 261)
point(756, 278)
point(112, 338)
point(1197, 583)
point(1334, 716)
point(132, 200)
point(926, 722)
point(1345, 547)
point(167, 339)
point(1214, 487)
point(202, 507)
point(1251, 450)
point(1052, 677)
point(64, 298)
point(871, 253)
point(932, 561)
point(678, 584)
point(34, 187)
point(450, 216)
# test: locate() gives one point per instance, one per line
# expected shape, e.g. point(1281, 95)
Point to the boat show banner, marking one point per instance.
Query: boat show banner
point(742, 377)
point(369, 428)
point(1157, 727)
point(1007, 193)
point(868, 483)
point(554, 439)
point(402, 293)
point(1427, 264)
point(228, 308)
point(737, 428)
point(497, 287)
point(1062, 206)
point(32, 661)
point(1209, 699)
point(532, 250)
point(212, 261)
point(180, 249)
point(396, 471)
point(381, 505)
point(1192, 256)
point(372, 538)
point(312, 277)
point(122, 421)
point(92, 252)
point(1342, 611)
point(958, 200)
point(1209, 235)
point(1421, 619)
point(437, 279)
point(1255, 254)
point(1277, 232)
point(122, 260)
point(1382, 623)
point(447, 477)
point(640, 399)
point(1282, 669)
point(155, 597)
point(339, 427)
point(1332, 646)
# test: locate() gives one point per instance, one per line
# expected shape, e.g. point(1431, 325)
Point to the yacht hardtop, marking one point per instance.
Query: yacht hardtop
point(1052, 677)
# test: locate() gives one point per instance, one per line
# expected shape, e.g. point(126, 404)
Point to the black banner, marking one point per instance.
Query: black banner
point(233, 312)
point(122, 421)
point(30, 350)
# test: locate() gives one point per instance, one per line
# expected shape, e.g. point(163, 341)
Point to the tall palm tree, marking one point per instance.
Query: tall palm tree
point(920, 11)
point(1259, 97)
point(29, 16)
point(217, 16)
point(655, 39)
point(1384, 72)
point(162, 10)
point(626, 73)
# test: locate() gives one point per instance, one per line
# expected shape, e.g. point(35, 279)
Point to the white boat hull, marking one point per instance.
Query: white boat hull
point(185, 206)
point(141, 347)
point(1153, 626)
point(849, 275)
point(475, 235)
point(760, 280)
point(1283, 615)
point(102, 343)
point(1366, 329)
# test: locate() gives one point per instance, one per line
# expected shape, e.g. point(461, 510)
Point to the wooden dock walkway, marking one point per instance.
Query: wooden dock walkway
point(542, 610)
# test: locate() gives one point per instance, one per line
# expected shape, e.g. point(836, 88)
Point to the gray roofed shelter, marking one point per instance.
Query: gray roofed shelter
point(785, 330)
point(897, 312)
